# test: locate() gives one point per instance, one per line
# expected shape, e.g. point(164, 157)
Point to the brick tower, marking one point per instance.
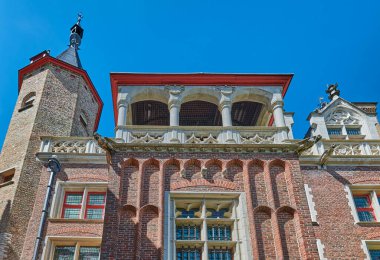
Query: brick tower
point(56, 97)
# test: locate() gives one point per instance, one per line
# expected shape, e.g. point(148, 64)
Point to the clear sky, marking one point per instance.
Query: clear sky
point(319, 41)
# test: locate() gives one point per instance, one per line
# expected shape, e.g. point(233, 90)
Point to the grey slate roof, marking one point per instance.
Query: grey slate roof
point(71, 56)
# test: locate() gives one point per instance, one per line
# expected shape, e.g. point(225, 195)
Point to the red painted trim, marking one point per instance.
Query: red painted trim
point(196, 79)
point(48, 59)
point(70, 206)
point(369, 209)
point(95, 206)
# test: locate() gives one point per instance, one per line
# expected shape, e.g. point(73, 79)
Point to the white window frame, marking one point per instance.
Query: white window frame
point(373, 191)
point(52, 242)
point(366, 246)
point(243, 249)
point(69, 186)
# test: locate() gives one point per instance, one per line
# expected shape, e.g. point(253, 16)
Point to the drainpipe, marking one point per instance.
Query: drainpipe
point(53, 167)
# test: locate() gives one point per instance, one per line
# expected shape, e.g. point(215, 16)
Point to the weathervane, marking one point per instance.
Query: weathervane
point(79, 19)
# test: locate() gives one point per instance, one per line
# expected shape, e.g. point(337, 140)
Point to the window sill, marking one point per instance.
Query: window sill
point(368, 224)
point(6, 183)
point(338, 137)
point(66, 220)
point(25, 107)
point(356, 137)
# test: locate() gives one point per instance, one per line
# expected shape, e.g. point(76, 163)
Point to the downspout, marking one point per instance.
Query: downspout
point(53, 167)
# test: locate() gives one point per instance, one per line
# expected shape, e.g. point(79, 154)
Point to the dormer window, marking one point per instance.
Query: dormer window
point(28, 101)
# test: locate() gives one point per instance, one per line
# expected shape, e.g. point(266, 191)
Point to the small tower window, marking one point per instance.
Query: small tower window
point(28, 101)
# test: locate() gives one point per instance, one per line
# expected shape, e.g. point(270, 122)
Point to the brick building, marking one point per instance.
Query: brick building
point(202, 166)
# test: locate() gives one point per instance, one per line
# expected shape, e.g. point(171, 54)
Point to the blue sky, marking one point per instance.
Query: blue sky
point(319, 41)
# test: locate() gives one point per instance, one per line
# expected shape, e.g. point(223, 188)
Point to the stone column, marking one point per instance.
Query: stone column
point(122, 110)
point(225, 104)
point(278, 115)
point(174, 104)
point(278, 111)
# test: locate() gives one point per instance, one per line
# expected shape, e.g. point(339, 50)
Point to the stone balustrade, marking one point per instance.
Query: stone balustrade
point(346, 148)
point(202, 135)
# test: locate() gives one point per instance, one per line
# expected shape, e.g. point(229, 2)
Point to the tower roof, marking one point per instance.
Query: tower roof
point(70, 55)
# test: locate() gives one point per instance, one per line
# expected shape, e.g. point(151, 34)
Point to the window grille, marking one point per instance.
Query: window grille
point(334, 131)
point(150, 112)
point(188, 232)
point(364, 208)
point(375, 254)
point(94, 207)
point(219, 254)
point(188, 254)
point(64, 253)
point(199, 113)
point(89, 253)
point(353, 131)
point(219, 232)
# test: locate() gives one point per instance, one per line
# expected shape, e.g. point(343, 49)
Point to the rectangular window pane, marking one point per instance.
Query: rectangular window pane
point(188, 254)
point(96, 199)
point(71, 213)
point(94, 214)
point(219, 254)
point(73, 199)
point(366, 216)
point(375, 254)
point(64, 253)
point(361, 202)
point(188, 232)
point(334, 131)
point(89, 253)
point(353, 131)
point(219, 232)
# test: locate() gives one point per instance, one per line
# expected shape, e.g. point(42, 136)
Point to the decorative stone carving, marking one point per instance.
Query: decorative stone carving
point(347, 149)
point(375, 149)
point(147, 139)
point(69, 146)
point(201, 140)
point(339, 117)
point(257, 139)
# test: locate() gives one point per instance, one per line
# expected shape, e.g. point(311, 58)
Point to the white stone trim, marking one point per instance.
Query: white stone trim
point(310, 202)
point(321, 250)
point(62, 186)
point(52, 241)
point(351, 203)
point(365, 249)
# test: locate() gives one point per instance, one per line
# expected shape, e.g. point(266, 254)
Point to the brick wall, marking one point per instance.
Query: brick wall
point(280, 223)
point(336, 229)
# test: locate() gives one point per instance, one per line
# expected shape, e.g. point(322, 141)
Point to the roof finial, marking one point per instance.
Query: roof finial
point(79, 19)
point(332, 90)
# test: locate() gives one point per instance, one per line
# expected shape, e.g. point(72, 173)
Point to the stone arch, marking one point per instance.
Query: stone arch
point(28, 100)
point(171, 169)
point(264, 232)
point(149, 233)
point(129, 181)
point(127, 232)
point(192, 169)
point(256, 178)
point(202, 94)
point(277, 171)
point(287, 228)
point(150, 182)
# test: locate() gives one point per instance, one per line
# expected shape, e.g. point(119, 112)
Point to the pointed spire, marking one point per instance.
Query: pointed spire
point(70, 55)
point(333, 91)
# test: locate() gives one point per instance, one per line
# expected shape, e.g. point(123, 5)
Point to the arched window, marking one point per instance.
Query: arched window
point(150, 112)
point(245, 113)
point(28, 101)
point(199, 113)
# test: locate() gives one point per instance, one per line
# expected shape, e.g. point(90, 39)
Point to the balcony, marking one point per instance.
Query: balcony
point(201, 135)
